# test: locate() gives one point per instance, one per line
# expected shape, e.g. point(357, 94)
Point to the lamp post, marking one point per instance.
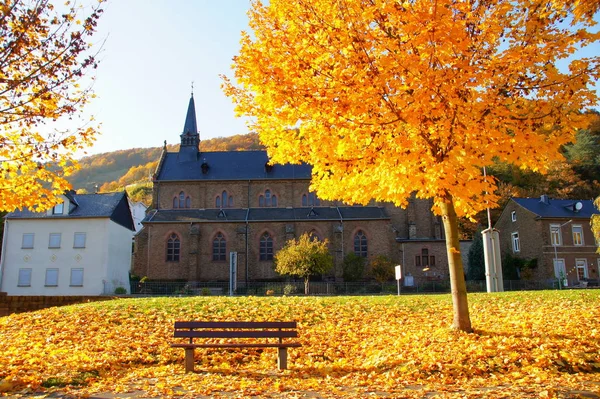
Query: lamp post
point(557, 230)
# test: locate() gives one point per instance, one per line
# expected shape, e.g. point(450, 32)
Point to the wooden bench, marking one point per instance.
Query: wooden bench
point(236, 330)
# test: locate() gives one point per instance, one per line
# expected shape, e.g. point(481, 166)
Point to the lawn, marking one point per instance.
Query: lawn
point(525, 344)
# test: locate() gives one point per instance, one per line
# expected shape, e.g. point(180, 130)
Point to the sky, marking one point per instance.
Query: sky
point(152, 53)
point(153, 50)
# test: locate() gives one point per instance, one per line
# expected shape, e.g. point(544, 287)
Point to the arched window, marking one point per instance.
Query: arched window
point(224, 200)
point(314, 236)
point(219, 247)
point(310, 200)
point(267, 199)
point(266, 247)
point(360, 244)
point(182, 201)
point(173, 248)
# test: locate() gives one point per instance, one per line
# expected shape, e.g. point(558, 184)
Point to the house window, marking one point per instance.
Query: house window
point(24, 278)
point(310, 199)
point(513, 216)
point(360, 244)
point(27, 242)
point(173, 248)
point(79, 240)
point(58, 209)
point(224, 200)
point(182, 201)
point(76, 277)
point(314, 236)
point(577, 234)
point(54, 241)
point(555, 235)
point(582, 270)
point(266, 247)
point(51, 278)
point(267, 200)
point(219, 246)
point(560, 270)
point(424, 259)
point(516, 246)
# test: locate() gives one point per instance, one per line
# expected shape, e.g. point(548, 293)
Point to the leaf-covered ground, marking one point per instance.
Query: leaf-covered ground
point(529, 344)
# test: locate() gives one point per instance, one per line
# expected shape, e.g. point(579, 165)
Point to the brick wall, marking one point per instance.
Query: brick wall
point(18, 303)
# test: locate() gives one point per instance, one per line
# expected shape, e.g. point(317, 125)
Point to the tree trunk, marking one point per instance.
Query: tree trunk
point(306, 282)
point(461, 320)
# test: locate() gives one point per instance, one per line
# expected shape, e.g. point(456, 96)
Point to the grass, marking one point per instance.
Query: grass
point(525, 344)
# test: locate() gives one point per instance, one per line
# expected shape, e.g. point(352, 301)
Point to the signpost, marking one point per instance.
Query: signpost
point(232, 273)
point(398, 276)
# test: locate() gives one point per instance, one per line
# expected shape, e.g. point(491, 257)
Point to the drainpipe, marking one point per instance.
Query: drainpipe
point(247, 233)
point(3, 258)
point(342, 225)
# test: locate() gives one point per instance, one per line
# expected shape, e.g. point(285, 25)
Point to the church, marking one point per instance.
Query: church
point(207, 205)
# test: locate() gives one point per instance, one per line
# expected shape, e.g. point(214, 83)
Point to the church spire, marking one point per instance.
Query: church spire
point(190, 139)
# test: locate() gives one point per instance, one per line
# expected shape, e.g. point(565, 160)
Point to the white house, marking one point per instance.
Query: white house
point(76, 248)
point(138, 211)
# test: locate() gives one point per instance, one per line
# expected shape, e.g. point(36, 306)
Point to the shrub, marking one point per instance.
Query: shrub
point(353, 267)
point(205, 291)
point(120, 291)
point(290, 289)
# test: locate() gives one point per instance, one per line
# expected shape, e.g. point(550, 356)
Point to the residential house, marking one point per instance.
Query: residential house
point(557, 233)
point(207, 205)
point(75, 248)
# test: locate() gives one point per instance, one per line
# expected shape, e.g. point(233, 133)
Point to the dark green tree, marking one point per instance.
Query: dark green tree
point(353, 267)
point(476, 270)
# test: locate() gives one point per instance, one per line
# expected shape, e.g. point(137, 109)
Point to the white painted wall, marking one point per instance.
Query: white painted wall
point(101, 250)
point(119, 256)
point(138, 212)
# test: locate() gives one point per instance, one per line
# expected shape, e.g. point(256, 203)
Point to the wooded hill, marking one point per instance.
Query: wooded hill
point(578, 177)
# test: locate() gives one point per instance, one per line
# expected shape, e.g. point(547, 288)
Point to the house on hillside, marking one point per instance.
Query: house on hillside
point(556, 233)
point(75, 248)
point(138, 212)
point(207, 205)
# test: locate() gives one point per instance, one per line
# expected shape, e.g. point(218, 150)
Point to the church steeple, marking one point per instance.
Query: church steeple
point(190, 138)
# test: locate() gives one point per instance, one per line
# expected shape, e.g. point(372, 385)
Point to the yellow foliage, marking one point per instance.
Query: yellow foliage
point(526, 343)
point(43, 55)
point(387, 98)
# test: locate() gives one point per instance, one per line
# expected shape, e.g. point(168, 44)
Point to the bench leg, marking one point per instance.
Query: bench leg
point(282, 358)
point(189, 360)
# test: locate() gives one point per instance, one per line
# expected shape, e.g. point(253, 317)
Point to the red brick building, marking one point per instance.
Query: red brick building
point(555, 232)
point(208, 204)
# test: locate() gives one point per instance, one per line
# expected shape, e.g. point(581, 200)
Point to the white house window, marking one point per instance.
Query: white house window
point(24, 278)
point(27, 241)
point(513, 216)
point(577, 234)
point(58, 209)
point(555, 235)
point(51, 278)
point(560, 271)
point(515, 242)
point(79, 240)
point(582, 270)
point(54, 240)
point(76, 277)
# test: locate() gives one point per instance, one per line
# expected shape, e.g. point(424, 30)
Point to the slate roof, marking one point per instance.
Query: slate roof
point(111, 205)
point(267, 214)
point(190, 126)
point(558, 208)
point(227, 165)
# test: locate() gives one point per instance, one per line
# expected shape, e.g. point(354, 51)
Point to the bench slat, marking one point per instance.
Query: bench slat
point(235, 334)
point(235, 324)
point(290, 345)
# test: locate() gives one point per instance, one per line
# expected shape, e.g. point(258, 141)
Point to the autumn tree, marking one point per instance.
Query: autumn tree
point(44, 54)
point(596, 224)
point(385, 98)
point(304, 257)
point(382, 269)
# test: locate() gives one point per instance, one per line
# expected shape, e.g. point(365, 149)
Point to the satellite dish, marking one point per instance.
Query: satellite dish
point(578, 206)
